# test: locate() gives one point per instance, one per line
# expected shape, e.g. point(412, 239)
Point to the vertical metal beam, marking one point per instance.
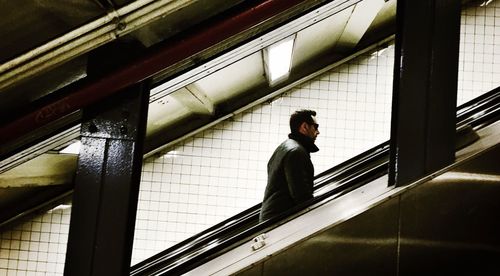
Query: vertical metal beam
point(107, 184)
point(424, 89)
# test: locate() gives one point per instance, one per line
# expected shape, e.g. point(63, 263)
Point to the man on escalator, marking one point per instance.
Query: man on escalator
point(290, 170)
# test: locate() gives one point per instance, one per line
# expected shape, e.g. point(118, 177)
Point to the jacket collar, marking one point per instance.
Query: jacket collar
point(305, 141)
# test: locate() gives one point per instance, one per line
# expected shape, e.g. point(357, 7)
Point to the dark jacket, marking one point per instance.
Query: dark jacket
point(290, 175)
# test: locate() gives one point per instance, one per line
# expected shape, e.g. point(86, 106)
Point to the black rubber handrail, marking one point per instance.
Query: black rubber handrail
point(211, 242)
point(347, 176)
point(222, 244)
point(475, 112)
point(252, 213)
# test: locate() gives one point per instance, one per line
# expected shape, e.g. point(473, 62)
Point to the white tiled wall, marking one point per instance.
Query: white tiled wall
point(353, 102)
point(479, 62)
point(37, 246)
point(221, 171)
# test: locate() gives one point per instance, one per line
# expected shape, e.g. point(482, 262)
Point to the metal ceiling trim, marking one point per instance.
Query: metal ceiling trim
point(382, 43)
point(60, 139)
point(53, 58)
point(51, 45)
point(114, 24)
point(249, 48)
point(176, 52)
point(201, 71)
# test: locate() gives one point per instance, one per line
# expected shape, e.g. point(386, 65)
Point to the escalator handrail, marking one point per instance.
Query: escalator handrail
point(466, 110)
point(187, 249)
point(229, 236)
point(218, 247)
point(253, 212)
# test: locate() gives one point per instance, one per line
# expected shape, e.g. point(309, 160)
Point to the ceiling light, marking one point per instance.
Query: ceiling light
point(171, 154)
point(60, 207)
point(485, 3)
point(73, 148)
point(278, 59)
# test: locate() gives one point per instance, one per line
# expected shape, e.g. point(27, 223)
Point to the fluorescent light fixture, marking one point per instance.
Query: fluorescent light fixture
point(73, 148)
point(171, 154)
point(378, 52)
point(485, 3)
point(60, 207)
point(278, 59)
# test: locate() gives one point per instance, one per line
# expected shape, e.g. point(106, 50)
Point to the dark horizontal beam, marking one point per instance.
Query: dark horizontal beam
point(218, 32)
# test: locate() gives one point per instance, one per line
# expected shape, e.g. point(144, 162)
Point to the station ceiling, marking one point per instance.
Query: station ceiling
point(46, 47)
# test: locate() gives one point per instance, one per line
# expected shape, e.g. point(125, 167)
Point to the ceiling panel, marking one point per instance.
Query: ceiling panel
point(319, 38)
point(361, 18)
point(26, 24)
point(166, 112)
point(199, 103)
point(233, 80)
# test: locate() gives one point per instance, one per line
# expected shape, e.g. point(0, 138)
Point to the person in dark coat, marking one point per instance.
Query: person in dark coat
point(290, 171)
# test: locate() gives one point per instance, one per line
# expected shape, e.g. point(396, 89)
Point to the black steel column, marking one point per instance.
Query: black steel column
point(107, 184)
point(424, 89)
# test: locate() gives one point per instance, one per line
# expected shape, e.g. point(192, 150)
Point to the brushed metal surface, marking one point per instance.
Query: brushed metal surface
point(253, 270)
point(367, 243)
point(450, 224)
point(447, 225)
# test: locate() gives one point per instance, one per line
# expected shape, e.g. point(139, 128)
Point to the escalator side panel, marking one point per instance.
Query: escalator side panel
point(366, 244)
point(450, 225)
point(253, 270)
point(443, 226)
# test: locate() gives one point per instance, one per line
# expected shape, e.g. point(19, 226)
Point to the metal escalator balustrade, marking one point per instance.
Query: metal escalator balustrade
point(443, 224)
point(235, 230)
point(329, 185)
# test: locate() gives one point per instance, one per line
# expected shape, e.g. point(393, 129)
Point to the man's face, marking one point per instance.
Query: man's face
point(312, 129)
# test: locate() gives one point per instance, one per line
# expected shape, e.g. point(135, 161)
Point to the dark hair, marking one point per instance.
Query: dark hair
point(300, 116)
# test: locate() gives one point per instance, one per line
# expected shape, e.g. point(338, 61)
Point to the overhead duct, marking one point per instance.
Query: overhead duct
point(237, 26)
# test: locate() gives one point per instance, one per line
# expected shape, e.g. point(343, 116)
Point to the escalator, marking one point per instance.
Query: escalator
point(442, 225)
point(356, 224)
point(350, 177)
point(184, 115)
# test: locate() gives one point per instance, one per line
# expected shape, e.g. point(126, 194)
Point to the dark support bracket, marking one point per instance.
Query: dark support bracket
point(424, 89)
point(107, 184)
